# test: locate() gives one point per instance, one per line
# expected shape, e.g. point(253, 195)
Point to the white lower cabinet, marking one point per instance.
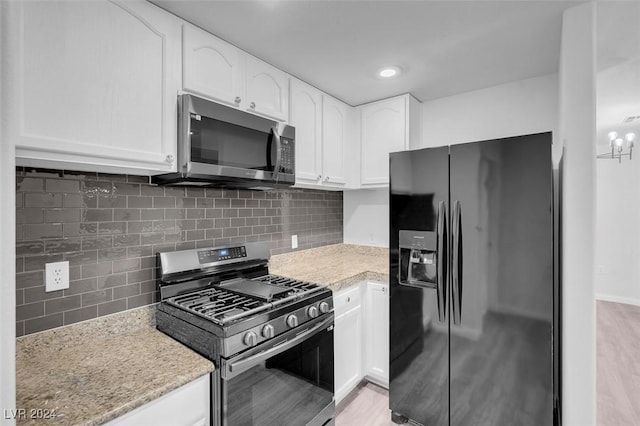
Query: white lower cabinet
point(376, 333)
point(185, 406)
point(361, 336)
point(347, 341)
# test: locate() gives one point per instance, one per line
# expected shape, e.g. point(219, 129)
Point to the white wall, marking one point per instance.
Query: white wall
point(577, 133)
point(366, 217)
point(518, 108)
point(618, 231)
point(7, 248)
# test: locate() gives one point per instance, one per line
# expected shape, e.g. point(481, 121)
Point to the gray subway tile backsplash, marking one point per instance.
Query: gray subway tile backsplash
point(109, 227)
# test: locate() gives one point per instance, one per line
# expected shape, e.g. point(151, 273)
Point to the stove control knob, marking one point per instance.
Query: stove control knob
point(250, 339)
point(312, 312)
point(324, 307)
point(292, 321)
point(268, 331)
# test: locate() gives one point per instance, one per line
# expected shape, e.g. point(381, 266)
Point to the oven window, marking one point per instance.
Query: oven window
point(225, 144)
point(291, 388)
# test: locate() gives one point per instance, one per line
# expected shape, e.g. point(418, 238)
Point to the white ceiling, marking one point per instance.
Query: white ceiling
point(443, 47)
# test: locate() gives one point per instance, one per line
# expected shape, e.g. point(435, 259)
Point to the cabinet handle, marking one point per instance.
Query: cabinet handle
point(348, 299)
point(237, 100)
point(319, 177)
point(252, 105)
point(326, 178)
point(169, 158)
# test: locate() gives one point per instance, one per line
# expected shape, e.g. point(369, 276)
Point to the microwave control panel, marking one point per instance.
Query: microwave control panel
point(287, 156)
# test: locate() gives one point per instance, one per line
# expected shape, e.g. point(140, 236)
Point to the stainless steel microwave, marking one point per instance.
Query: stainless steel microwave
point(223, 146)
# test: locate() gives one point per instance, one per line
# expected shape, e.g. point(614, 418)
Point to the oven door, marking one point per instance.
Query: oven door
point(290, 382)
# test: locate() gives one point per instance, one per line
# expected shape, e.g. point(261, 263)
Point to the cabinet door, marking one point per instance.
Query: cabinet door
point(334, 131)
point(94, 84)
point(306, 117)
point(348, 353)
point(267, 90)
point(384, 130)
point(188, 405)
point(377, 333)
point(211, 67)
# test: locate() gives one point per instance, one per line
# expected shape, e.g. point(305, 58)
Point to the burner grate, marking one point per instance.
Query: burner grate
point(287, 282)
point(216, 304)
point(223, 306)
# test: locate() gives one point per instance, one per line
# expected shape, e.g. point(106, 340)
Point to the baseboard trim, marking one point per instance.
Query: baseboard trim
point(618, 299)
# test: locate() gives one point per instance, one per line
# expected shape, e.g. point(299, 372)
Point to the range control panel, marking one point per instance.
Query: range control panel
point(227, 253)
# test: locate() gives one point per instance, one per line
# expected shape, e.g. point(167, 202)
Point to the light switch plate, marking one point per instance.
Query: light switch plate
point(57, 276)
point(294, 241)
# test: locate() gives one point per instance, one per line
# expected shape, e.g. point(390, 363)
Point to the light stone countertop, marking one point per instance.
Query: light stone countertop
point(97, 370)
point(336, 266)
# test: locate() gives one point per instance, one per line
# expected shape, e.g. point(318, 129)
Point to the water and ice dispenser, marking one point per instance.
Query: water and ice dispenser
point(418, 258)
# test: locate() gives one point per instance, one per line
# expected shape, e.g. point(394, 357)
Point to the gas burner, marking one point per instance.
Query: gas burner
point(240, 298)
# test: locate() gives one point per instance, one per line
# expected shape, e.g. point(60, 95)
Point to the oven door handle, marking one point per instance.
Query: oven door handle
point(233, 368)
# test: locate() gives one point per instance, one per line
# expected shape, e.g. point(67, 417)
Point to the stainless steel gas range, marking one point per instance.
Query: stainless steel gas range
point(270, 337)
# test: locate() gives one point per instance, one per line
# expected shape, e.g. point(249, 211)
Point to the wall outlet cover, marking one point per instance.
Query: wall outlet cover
point(57, 276)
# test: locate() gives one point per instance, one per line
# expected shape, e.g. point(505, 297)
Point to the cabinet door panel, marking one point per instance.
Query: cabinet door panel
point(334, 122)
point(267, 90)
point(188, 405)
point(211, 67)
point(95, 79)
point(306, 117)
point(383, 131)
point(348, 355)
point(377, 333)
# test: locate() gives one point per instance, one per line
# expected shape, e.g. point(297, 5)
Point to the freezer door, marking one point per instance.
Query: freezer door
point(501, 282)
point(419, 342)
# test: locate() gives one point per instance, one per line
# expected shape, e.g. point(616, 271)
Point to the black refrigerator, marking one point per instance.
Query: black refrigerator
point(473, 290)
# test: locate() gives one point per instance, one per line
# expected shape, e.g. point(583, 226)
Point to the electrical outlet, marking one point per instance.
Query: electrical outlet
point(294, 241)
point(57, 276)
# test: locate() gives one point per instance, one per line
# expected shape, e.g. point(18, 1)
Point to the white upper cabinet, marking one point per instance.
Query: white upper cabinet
point(212, 68)
point(93, 85)
point(321, 124)
point(335, 116)
point(386, 126)
point(306, 117)
point(267, 90)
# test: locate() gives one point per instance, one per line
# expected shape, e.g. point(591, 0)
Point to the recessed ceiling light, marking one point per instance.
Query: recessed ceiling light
point(389, 72)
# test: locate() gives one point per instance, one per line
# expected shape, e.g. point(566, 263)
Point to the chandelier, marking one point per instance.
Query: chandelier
point(617, 145)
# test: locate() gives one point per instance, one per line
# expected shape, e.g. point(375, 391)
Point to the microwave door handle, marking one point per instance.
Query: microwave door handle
point(234, 368)
point(276, 168)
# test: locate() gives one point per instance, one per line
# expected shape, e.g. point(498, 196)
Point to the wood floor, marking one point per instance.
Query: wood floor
point(618, 376)
point(618, 364)
point(367, 405)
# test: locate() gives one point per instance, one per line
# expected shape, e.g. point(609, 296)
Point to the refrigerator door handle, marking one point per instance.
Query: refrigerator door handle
point(456, 263)
point(441, 258)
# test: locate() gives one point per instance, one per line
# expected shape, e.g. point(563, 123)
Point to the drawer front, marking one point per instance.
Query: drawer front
point(346, 300)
